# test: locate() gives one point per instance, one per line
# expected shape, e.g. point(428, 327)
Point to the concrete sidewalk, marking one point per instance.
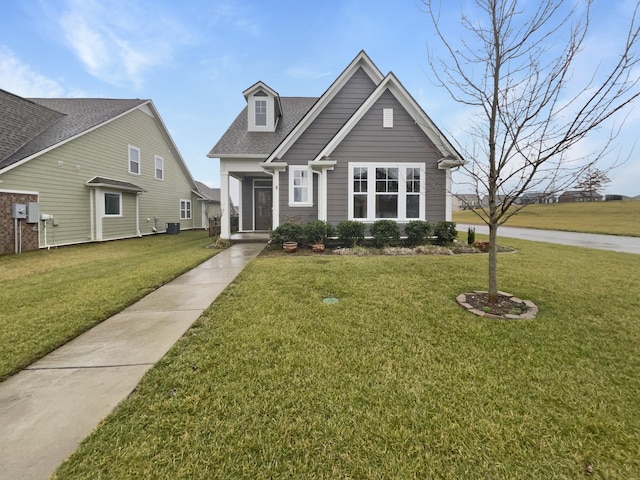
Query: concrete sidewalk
point(50, 407)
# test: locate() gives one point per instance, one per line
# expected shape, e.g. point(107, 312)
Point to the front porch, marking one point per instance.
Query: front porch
point(250, 237)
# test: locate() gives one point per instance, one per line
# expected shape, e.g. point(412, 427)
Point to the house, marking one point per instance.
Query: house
point(529, 198)
point(75, 170)
point(465, 201)
point(364, 150)
point(209, 202)
point(580, 196)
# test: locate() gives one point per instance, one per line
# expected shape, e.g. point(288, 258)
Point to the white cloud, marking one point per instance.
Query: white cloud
point(118, 42)
point(20, 79)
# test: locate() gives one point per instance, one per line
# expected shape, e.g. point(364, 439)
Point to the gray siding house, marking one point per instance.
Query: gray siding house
point(364, 151)
point(88, 170)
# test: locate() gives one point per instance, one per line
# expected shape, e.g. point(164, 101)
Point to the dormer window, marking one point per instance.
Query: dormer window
point(264, 109)
point(261, 113)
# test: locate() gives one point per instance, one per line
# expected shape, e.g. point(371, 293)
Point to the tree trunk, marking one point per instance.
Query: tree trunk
point(493, 262)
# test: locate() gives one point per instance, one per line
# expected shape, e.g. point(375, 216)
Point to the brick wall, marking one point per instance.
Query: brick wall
point(7, 232)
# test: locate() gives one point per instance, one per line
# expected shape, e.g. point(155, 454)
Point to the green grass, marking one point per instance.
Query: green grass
point(50, 297)
point(396, 381)
point(612, 218)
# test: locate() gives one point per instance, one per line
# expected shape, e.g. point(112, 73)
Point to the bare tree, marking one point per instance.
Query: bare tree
point(592, 180)
point(514, 69)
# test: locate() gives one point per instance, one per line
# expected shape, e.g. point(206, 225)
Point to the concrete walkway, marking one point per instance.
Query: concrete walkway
point(50, 407)
point(615, 243)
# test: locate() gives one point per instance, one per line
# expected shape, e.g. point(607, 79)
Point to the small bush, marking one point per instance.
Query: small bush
point(317, 231)
point(385, 233)
point(351, 232)
point(287, 232)
point(417, 232)
point(471, 236)
point(446, 232)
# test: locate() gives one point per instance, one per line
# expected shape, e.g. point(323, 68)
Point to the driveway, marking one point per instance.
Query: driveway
point(587, 240)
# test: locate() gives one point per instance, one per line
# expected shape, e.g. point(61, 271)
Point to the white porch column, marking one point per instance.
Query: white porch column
point(275, 201)
point(225, 217)
point(448, 206)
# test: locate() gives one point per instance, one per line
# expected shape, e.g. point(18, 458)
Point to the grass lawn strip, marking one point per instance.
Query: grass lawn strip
point(609, 218)
point(395, 380)
point(50, 297)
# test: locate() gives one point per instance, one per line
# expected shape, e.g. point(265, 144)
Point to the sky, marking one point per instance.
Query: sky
point(194, 58)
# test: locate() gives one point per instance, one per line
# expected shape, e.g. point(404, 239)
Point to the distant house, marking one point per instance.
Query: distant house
point(529, 198)
point(580, 196)
point(363, 151)
point(75, 170)
point(465, 201)
point(209, 202)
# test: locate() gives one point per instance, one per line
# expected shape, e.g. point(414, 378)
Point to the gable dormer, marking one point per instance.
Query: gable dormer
point(263, 108)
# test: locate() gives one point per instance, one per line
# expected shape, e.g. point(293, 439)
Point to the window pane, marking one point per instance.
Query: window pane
point(386, 206)
point(111, 204)
point(413, 206)
point(300, 194)
point(359, 206)
point(261, 112)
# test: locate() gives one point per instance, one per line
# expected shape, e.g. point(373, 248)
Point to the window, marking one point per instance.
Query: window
point(300, 186)
point(159, 168)
point(185, 209)
point(112, 204)
point(392, 191)
point(261, 113)
point(134, 160)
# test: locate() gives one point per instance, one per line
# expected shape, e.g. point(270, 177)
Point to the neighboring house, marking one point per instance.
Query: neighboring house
point(364, 150)
point(529, 198)
point(209, 202)
point(580, 196)
point(75, 170)
point(465, 201)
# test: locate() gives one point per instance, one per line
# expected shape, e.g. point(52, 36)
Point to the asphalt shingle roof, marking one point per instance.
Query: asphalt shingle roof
point(30, 125)
point(237, 140)
point(209, 193)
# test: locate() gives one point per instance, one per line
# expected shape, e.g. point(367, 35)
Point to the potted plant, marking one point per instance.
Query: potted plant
point(288, 235)
point(316, 233)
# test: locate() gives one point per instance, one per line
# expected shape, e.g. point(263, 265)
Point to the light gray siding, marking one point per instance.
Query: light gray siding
point(317, 135)
point(369, 142)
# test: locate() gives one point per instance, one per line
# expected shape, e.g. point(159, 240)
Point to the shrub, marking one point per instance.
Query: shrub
point(446, 232)
point(417, 232)
point(471, 236)
point(385, 233)
point(351, 232)
point(317, 231)
point(287, 232)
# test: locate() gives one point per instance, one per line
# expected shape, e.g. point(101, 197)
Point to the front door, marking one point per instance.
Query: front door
point(263, 208)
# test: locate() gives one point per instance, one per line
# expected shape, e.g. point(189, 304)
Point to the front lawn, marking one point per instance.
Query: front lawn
point(49, 297)
point(395, 381)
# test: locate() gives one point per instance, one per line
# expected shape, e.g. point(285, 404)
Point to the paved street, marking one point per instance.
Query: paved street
point(587, 240)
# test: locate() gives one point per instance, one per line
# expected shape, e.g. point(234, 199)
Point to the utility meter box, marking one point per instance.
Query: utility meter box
point(19, 210)
point(33, 212)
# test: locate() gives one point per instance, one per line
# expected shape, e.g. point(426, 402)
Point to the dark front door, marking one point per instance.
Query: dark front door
point(262, 208)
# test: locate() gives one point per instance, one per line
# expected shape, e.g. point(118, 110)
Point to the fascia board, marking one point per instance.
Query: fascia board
point(361, 60)
point(234, 156)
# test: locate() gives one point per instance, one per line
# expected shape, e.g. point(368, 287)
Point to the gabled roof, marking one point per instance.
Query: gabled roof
point(51, 122)
point(392, 84)
point(57, 120)
point(361, 60)
point(208, 193)
point(238, 142)
point(259, 86)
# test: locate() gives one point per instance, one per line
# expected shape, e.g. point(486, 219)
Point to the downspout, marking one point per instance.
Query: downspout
point(138, 214)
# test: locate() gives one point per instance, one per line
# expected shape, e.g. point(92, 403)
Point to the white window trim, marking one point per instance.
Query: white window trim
point(155, 167)
point(131, 147)
point(371, 191)
point(104, 204)
point(297, 168)
point(184, 211)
